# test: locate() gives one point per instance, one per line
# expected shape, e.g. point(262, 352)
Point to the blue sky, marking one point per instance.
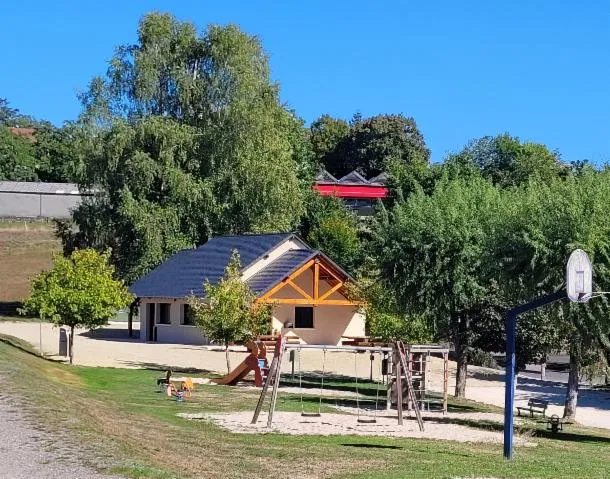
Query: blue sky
point(538, 70)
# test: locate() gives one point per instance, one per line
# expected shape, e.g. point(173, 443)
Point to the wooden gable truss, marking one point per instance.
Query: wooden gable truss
point(322, 272)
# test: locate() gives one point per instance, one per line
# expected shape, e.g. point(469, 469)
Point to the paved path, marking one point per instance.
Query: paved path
point(27, 453)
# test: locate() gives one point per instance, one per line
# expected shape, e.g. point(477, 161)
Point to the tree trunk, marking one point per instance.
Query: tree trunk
point(227, 357)
point(543, 371)
point(71, 345)
point(461, 349)
point(572, 392)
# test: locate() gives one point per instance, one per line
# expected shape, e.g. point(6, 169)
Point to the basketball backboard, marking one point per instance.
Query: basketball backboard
point(579, 277)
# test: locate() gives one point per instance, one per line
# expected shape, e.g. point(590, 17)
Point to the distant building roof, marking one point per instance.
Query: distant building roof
point(39, 187)
point(353, 178)
point(184, 273)
point(353, 186)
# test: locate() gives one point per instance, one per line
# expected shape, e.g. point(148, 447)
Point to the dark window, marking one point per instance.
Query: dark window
point(187, 315)
point(303, 317)
point(164, 313)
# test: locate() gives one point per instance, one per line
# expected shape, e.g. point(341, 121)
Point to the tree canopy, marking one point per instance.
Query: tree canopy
point(190, 139)
point(79, 291)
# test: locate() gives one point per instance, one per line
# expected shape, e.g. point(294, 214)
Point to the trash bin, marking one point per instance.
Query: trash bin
point(63, 342)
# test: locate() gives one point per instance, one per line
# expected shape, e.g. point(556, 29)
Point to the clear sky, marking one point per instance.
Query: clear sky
point(539, 70)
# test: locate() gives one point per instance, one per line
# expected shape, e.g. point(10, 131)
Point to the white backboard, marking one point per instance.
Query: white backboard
point(579, 277)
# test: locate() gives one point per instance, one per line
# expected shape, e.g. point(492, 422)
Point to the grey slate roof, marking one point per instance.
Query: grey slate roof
point(353, 178)
point(325, 177)
point(39, 187)
point(184, 273)
point(279, 269)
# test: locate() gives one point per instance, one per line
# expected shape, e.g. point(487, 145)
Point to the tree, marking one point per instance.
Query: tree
point(325, 134)
point(188, 139)
point(373, 144)
point(506, 161)
point(228, 313)
point(7, 114)
point(549, 221)
point(17, 157)
point(331, 227)
point(433, 253)
point(79, 291)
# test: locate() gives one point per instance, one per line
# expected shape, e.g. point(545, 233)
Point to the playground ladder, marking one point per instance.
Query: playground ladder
point(400, 347)
point(273, 379)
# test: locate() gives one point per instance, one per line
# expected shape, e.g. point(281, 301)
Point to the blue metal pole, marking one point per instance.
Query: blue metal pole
point(509, 391)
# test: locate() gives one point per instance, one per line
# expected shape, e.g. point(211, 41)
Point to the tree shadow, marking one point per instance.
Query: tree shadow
point(112, 334)
point(164, 367)
point(371, 446)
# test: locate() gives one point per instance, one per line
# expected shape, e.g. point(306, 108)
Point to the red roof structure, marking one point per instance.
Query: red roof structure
point(352, 186)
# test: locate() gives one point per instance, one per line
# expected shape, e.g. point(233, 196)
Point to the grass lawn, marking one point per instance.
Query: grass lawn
point(118, 415)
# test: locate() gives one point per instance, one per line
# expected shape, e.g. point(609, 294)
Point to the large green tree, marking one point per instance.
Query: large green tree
point(548, 222)
point(189, 138)
point(377, 144)
point(433, 252)
point(17, 157)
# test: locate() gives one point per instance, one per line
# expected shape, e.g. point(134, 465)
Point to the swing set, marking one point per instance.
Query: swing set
point(398, 374)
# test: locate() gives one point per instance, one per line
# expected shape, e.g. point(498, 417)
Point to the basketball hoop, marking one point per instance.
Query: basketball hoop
point(579, 277)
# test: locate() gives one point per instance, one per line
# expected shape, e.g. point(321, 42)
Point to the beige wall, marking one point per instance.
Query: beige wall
point(329, 323)
point(175, 332)
point(272, 256)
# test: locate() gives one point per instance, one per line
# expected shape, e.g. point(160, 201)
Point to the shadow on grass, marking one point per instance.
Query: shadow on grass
point(164, 367)
point(371, 446)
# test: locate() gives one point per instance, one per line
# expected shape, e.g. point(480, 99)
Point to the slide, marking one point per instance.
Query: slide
point(256, 361)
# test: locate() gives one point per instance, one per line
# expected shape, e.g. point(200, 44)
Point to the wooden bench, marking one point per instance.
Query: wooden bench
point(538, 406)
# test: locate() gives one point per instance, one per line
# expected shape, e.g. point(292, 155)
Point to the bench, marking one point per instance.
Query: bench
point(538, 406)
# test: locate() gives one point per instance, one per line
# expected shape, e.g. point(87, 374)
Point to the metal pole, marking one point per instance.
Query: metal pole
point(509, 387)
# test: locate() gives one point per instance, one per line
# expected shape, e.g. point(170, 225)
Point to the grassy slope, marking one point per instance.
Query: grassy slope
point(23, 254)
point(135, 431)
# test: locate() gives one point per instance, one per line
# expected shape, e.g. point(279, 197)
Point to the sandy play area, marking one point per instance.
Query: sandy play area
point(345, 424)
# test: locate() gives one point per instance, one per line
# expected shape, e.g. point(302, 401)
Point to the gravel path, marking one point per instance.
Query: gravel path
point(27, 453)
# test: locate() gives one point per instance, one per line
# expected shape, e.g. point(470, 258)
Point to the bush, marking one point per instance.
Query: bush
point(478, 357)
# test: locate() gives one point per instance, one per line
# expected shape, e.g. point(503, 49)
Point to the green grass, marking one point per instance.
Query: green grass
point(119, 417)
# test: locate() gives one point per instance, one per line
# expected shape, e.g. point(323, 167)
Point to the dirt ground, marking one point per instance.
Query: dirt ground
point(437, 426)
point(23, 254)
point(110, 347)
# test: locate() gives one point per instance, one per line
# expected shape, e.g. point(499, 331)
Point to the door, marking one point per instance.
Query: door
point(150, 322)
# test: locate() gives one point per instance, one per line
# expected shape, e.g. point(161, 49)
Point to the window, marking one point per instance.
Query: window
point(187, 315)
point(164, 313)
point(303, 317)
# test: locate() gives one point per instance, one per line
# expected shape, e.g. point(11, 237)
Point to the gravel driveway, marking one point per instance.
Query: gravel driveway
point(27, 453)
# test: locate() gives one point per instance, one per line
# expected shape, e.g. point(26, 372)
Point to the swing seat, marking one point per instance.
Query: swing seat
point(311, 414)
point(367, 421)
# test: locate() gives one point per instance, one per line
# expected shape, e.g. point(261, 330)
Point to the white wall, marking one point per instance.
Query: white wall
point(329, 323)
point(175, 332)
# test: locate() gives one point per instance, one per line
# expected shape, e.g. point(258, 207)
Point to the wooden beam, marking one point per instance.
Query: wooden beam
point(331, 291)
point(298, 289)
point(316, 279)
point(328, 270)
point(325, 302)
point(283, 283)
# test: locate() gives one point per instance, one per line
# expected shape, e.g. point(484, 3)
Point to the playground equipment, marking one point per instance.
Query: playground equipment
point(256, 361)
point(400, 378)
